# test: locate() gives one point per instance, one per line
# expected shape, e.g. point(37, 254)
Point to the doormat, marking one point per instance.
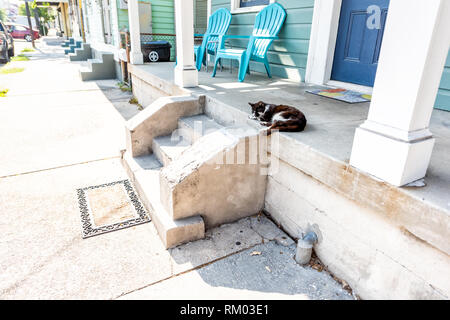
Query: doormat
point(109, 207)
point(342, 95)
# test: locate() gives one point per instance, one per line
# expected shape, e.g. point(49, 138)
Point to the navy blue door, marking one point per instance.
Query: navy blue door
point(360, 33)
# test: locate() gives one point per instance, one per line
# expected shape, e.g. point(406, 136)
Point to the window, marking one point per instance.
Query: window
point(242, 6)
point(251, 3)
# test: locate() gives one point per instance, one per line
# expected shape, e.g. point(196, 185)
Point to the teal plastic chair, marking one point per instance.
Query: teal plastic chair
point(218, 25)
point(268, 24)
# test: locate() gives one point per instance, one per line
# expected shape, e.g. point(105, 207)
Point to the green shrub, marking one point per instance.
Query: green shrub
point(124, 87)
point(3, 92)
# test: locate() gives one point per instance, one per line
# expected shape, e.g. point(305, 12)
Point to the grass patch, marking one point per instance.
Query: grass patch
point(3, 92)
point(124, 87)
point(8, 70)
point(28, 50)
point(135, 101)
point(20, 57)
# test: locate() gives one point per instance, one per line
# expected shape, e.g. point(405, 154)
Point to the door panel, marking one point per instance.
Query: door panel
point(358, 46)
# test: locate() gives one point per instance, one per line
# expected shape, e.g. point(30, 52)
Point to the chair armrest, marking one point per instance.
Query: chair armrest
point(235, 37)
point(265, 37)
point(203, 34)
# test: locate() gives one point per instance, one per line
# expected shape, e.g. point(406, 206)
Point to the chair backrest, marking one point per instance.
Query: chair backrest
point(268, 22)
point(218, 23)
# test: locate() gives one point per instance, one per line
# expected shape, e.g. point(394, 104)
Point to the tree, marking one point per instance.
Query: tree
point(2, 15)
point(43, 11)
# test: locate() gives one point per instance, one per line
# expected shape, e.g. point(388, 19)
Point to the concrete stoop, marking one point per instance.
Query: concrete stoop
point(68, 42)
point(73, 47)
point(81, 54)
point(191, 172)
point(99, 69)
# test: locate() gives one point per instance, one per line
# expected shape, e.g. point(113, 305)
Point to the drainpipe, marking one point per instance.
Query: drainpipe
point(305, 246)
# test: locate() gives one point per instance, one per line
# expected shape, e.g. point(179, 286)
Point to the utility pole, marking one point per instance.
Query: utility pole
point(29, 23)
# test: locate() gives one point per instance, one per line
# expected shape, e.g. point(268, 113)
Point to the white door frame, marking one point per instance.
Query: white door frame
point(322, 45)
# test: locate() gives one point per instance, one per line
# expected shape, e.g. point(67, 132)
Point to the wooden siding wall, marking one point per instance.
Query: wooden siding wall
point(200, 16)
point(122, 17)
point(443, 97)
point(163, 16)
point(288, 55)
point(94, 13)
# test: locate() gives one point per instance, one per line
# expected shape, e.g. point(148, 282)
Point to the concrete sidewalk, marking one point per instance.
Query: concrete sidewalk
point(58, 134)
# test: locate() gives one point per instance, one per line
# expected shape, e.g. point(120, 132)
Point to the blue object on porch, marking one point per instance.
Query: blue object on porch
point(218, 25)
point(359, 41)
point(268, 24)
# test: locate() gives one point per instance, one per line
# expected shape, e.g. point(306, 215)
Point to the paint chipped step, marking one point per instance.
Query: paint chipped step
point(144, 172)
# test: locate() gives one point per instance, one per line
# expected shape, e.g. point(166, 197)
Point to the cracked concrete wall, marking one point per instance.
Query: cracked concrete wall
point(377, 257)
point(203, 182)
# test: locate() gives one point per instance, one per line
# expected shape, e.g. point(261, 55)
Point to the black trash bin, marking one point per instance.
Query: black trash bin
point(156, 51)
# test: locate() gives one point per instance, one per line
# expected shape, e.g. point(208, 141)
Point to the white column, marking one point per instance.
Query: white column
point(324, 31)
point(136, 56)
point(186, 74)
point(395, 143)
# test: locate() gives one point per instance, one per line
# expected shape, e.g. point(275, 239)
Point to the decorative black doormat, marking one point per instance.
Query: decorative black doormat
point(109, 207)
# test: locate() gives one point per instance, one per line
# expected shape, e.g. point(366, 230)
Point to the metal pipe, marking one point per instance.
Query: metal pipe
point(305, 246)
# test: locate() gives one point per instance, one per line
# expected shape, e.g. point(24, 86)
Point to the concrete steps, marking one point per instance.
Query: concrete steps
point(193, 128)
point(72, 47)
point(178, 176)
point(190, 129)
point(68, 42)
point(144, 172)
point(81, 54)
point(100, 68)
point(168, 148)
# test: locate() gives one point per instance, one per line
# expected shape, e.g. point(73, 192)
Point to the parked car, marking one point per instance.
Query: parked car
point(20, 31)
point(6, 44)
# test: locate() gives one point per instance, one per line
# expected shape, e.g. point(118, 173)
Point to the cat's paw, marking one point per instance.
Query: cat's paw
point(252, 117)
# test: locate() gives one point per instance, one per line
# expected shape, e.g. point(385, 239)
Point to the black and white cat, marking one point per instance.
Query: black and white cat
point(278, 117)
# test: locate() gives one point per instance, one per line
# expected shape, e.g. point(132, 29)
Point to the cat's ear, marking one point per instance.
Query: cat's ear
point(252, 105)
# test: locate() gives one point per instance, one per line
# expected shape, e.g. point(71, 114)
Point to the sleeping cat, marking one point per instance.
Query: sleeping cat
point(278, 117)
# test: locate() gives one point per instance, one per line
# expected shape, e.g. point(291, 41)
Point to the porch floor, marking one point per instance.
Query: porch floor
point(331, 124)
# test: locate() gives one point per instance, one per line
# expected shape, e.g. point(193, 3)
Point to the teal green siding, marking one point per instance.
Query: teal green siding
point(163, 21)
point(443, 97)
point(122, 18)
point(288, 55)
point(163, 16)
point(200, 16)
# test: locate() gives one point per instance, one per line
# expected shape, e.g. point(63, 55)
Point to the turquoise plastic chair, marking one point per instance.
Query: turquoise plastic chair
point(268, 24)
point(218, 25)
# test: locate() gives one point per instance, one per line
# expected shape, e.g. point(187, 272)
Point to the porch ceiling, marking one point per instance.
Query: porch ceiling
point(331, 124)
